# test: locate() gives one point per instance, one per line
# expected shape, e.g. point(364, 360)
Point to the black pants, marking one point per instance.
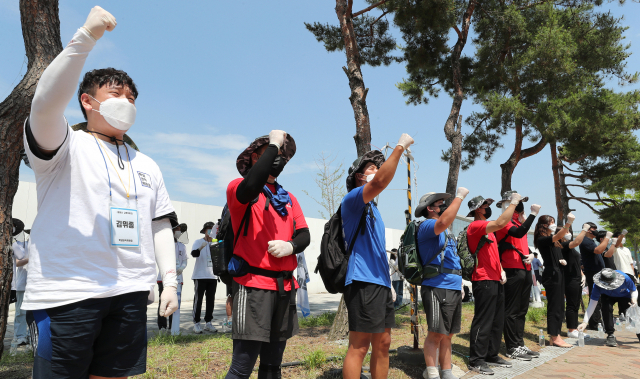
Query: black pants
point(607, 310)
point(245, 354)
point(538, 276)
point(554, 284)
point(596, 318)
point(204, 287)
point(516, 299)
point(162, 321)
point(573, 294)
point(488, 321)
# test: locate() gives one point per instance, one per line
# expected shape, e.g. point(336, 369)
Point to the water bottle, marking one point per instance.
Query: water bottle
point(600, 330)
point(617, 325)
point(581, 339)
point(541, 338)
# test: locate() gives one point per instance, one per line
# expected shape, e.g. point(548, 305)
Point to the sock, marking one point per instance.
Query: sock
point(432, 372)
point(447, 374)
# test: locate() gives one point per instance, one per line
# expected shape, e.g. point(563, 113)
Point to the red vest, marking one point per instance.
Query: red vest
point(510, 258)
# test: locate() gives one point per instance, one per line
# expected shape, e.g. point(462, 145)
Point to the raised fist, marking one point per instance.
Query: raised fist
point(462, 193)
point(535, 208)
point(405, 141)
point(570, 218)
point(98, 21)
point(276, 137)
point(515, 198)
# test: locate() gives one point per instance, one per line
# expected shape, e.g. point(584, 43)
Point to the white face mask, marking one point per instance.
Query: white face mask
point(567, 236)
point(177, 234)
point(553, 227)
point(118, 112)
point(370, 177)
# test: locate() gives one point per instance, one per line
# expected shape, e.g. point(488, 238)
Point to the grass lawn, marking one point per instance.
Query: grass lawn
point(209, 355)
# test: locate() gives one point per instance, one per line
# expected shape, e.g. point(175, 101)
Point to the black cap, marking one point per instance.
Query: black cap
point(207, 225)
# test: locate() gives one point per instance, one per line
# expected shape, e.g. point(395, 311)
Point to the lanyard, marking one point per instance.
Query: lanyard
point(114, 167)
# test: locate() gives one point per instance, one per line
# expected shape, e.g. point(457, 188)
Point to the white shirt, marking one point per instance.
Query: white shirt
point(203, 269)
point(181, 261)
point(20, 251)
point(623, 260)
point(394, 271)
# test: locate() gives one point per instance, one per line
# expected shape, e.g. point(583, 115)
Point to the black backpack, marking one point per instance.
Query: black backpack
point(334, 252)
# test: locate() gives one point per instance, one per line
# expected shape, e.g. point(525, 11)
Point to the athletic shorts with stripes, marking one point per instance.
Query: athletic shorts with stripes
point(443, 308)
point(263, 315)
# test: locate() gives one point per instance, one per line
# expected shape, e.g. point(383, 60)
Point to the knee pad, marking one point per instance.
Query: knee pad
point(269, 372)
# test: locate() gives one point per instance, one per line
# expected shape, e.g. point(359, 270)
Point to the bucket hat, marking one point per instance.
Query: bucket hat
point(207, 225)
point(373, 156)
point(608, 279)
point(18, 226)
point(506, 196)
point(243, 162)
point(476, 203)
point(429, 199)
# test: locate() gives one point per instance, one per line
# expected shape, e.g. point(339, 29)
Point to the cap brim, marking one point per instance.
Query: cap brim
point(499, 203)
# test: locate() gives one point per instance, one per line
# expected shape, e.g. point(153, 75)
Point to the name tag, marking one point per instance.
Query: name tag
point(124, 227)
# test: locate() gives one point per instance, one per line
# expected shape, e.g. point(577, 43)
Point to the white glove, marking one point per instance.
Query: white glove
point(570, 218)
point(529, 259)
point(462, 193)
point(179, 271)
point(405, 141)
point(280, 249)
point(582, 327)
point(614, 241)
point(586, 227)
point(583, 282)
point(98, 21)
point(634, 297)
point(515, 198)
point(609, 234)
point(624, 232)
point(276, 137)
point(503, 277)
point(535, 208)
point(168, 301)
point(563, 262)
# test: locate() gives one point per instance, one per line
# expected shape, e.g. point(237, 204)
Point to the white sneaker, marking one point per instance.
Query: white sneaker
point(197, 328)
point(574, 334)
point(210, 328)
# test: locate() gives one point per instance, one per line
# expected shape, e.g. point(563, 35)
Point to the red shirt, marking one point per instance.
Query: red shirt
point(488, 267)
point(510, 258)
point(264, 226)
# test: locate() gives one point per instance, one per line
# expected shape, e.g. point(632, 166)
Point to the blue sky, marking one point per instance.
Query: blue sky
point(212, 76)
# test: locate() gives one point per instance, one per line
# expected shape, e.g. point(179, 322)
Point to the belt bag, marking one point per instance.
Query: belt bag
point(239, 267)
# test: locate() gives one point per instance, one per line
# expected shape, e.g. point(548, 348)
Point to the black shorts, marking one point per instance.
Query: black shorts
point(102, 337)
point(370, 307)
point(263, 315)
point(443, 308)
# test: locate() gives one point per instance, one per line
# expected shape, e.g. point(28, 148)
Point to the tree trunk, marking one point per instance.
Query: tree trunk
point(356, 82)
point(516, 156)
point(41, 34)
point(557, 185)
point(340, 328)
point(451, 131)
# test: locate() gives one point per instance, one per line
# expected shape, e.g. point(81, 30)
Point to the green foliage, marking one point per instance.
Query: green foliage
point(537, 314)
point(314, 360)
point(324, 319)
point(22, 357)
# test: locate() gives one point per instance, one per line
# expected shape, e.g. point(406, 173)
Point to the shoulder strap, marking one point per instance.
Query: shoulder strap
point(508, 246)
point(245, 220)
point(441, 252)
point(361, 225)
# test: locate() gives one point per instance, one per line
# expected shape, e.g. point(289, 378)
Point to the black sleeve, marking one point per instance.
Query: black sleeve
point(302, 240)
point(195, 253)
point(522, 230)
point(251, 186)
point(173, 218)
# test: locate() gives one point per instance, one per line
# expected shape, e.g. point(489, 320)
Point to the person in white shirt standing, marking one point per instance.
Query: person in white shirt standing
point(181, 264)
point(103, 219)
point(20, 260)
point(622, 256)
point(204, 280)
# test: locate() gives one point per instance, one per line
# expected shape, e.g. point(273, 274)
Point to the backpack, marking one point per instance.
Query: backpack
point(334, 252)
point(468, 259)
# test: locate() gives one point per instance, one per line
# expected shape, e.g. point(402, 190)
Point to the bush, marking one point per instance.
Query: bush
point(324, 319)
point(315, 359)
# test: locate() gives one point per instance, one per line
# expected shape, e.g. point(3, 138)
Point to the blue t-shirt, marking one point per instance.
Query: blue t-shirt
point(535, 264)
point(430, 244)
point(368, 261)
point(592, 262)
point(623, 291)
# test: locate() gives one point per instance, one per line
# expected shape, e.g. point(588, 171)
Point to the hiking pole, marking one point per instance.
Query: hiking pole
point(414, 288)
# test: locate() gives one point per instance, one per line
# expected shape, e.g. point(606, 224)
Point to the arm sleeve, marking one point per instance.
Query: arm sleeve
point(302, 240)
point(634, 296)
point(195, 253)
point(56, 89)
point(165, 251)
point(251, 186)
point(590, 309)
point(522, 230)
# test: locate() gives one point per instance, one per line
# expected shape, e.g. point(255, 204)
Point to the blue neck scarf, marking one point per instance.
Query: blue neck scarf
point(279, 200)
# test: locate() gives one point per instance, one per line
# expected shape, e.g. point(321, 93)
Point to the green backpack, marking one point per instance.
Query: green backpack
point(468, 260)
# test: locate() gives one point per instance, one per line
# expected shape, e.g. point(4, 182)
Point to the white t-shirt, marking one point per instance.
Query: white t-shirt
point(623, 260)
point(394, 271)
point(181, 261)
point(70, 254)
point(203, 268)
point(20, 251)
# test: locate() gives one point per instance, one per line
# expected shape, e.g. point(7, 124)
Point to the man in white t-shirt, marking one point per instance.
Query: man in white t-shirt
point(622, 256)
point(18, 284)
point(103, 219)
point(181, 264)
point(204, 280)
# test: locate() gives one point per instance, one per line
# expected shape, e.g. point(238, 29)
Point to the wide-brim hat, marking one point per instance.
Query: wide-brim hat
point(608, 279)
point(183, 227)
point(374, 156)
point(429, 199)
point(207, 225)
point(83, 126)
point(506, 196)
point(243, 162)
point(476, 203)
point(18, 225)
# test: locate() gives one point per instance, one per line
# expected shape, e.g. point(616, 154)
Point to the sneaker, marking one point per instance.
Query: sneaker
point(611, 341)
point(197, 328)
point(210, 328)
point(499, 362)
point(22, 341)
point(518, 353)
point(532, 354)
point(483, 369)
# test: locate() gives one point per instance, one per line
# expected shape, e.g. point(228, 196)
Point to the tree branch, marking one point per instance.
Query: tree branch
point(457, 31)
point(367, 9)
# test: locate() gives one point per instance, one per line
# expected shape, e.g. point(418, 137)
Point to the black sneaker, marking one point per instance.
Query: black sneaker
point(518, 353)
point(499, 362)
point(611, 341)
point(482, 369)
point(532, 354)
